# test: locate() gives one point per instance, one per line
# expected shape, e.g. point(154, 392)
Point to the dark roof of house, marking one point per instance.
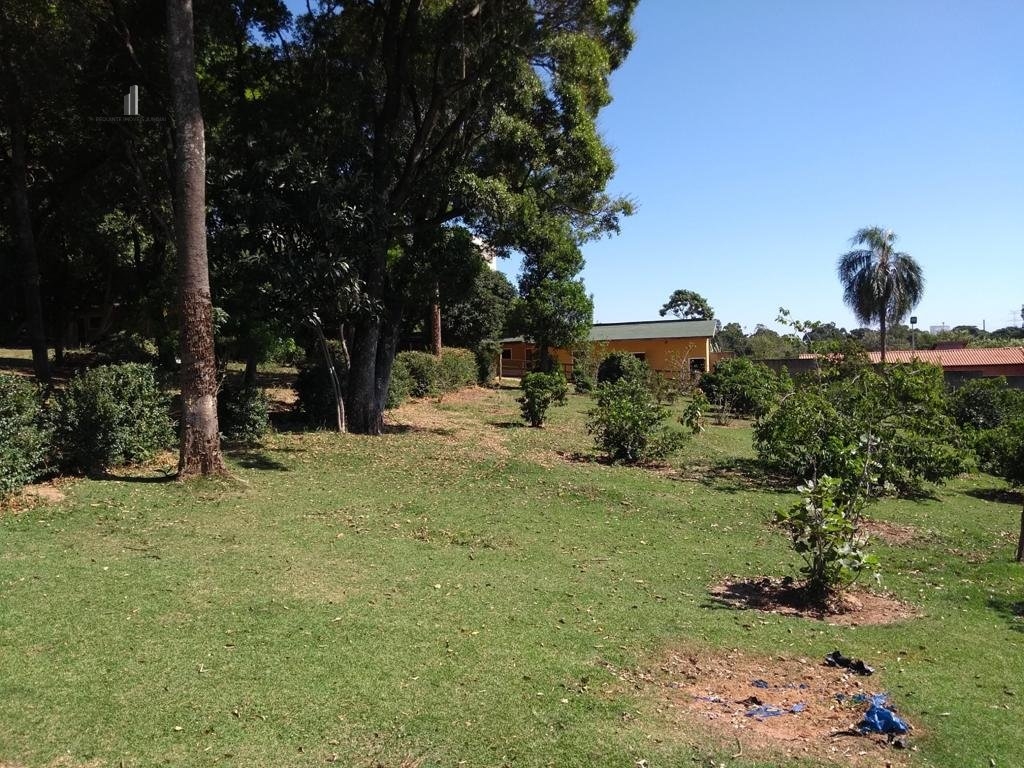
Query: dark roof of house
point(649, 329)
point(653, 329)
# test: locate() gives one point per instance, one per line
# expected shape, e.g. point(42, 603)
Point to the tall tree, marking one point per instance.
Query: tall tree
point(879, 283)
point(200, 435)
point(458, 111)
point(687, 305)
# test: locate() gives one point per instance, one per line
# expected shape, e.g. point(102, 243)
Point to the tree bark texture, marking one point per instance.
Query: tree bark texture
point(200, 452)
point(435, 322)
point(26, 245)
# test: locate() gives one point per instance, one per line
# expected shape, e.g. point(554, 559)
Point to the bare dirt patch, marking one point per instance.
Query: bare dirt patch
point(45, 493)
point(819, 706)
point(782, 596)
point(455, 428)
point(891, 533)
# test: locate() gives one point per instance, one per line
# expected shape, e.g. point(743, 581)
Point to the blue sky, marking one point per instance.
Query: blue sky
point(757, 137)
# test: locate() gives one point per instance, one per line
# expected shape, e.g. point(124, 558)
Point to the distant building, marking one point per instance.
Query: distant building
point(963, 363)
point(938, 328)
point(667, 346)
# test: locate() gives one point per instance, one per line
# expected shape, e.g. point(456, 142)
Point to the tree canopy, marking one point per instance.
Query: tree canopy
point(687, 305)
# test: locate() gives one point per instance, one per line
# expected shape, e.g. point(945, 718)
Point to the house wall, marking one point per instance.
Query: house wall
point(665, 355)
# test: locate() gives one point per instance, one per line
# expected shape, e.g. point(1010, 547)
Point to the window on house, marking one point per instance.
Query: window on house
point(641, 356)
point(697, 365)
point(506, 354)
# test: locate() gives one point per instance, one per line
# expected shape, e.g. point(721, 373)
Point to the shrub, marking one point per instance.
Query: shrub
point(24, 439)
point(628, 424)
point(746, 387)
point(824, 527)
point(662, 388)
point(243, 413)
point(814, 431)
point(316, 403)
point(1002, 454)
point(457, 369)
point(985, 403)
point(400, 384)
point(619, 365)
point(586, 358)
point(540, 391)
point(125, 347)
point(111, 415)
point(424, 373)
point(695, 414)
point(487, 353)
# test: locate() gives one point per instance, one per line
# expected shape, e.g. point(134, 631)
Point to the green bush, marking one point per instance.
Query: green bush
point(243, 413)
point(400, 385)
point(1001, 452)
point(985, 403)
point(744, 386)
point(125, 347)
point(457, 369)
point(816, 430)
point(111, 415)
point(487, 353)
point(628, 424)
point(695, 413)
point(424, 373)
point(316, 404)
point(620, 365)
point(540, 392)
point(825, 529)
point(24, 439)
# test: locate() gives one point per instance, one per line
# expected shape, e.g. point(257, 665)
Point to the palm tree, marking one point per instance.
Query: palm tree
point(879, 283)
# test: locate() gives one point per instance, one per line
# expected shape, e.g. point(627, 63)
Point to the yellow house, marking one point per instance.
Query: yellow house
point(667, 346)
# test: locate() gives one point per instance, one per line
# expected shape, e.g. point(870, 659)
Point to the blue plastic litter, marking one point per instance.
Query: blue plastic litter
point(764, 711)
point(880, 719)
point(798, 707)
point(759, 683)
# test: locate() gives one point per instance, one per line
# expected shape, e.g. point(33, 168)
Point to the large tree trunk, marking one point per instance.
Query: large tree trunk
point(363, 415)
point(387, 348)
point(200, 434)
point(435, 322)
point(27, 246)
point(882, 334)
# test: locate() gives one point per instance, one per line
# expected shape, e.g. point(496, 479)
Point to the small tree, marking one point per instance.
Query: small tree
point(629, 425)
point(749, 388)
point(825, 529)
point(1002, 454)
point(540, 392)
point(621, 365)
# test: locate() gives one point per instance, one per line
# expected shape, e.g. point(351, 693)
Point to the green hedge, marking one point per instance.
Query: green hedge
point(24, 439)
point(421, 374)
point(243, 413)
point(111, 415)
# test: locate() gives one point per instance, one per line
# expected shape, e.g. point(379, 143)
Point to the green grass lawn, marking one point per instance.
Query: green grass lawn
point(454, 594)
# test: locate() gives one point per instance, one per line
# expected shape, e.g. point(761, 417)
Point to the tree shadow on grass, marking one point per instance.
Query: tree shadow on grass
point(164, 477)
point(999, 495)
point(737, 475)
point(248, 458)
point(404, 429)
point(1009, 609)
point(507, 424)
